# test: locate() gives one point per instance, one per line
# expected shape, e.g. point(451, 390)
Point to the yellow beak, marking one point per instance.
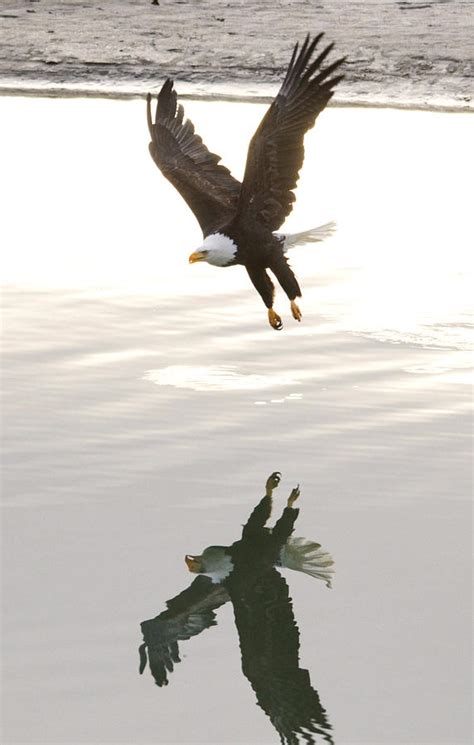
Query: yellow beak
point(193, 563)
point(197, 256)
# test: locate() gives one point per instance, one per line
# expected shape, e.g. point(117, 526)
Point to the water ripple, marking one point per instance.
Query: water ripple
point(217, 378)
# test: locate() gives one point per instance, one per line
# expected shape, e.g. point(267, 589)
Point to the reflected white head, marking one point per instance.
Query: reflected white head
point(217, 249)
point(214, 562)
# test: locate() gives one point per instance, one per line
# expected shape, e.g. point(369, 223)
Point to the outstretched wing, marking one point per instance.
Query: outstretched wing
point(187, 615)
point(208, 188)
point(276, 151)
point(269, 645)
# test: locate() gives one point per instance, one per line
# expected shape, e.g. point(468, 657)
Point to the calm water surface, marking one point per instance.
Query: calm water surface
point(146, 402)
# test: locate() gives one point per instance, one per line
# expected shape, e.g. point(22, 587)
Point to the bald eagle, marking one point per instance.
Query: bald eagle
point(240, 221)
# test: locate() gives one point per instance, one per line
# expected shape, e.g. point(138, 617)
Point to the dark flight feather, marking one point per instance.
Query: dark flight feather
point(208, 188)
point(269, 645)
point(189, 613)
point(276, 151)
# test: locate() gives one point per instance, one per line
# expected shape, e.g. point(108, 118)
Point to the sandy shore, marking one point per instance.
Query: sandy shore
point(416, 53)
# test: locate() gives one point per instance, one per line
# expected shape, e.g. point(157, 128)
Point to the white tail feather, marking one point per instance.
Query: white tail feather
point(315, 235)
point(306, 556)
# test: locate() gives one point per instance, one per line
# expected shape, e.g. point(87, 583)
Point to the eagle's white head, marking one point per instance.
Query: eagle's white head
point(214, 562)
point(217, 249)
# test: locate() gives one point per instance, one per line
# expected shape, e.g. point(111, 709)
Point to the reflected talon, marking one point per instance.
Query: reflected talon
point(295, 311)
point(272, 482)
point(274, 320)
point(294, 496)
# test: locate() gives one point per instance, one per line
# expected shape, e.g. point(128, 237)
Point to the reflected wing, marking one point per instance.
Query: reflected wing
point(276, 151)
point(269, 644)
point(187, 615)
point(207, 187)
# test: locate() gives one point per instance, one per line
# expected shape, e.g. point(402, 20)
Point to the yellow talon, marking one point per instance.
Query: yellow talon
point(272, 483)
point(293, 496)
point(274, 320)
point(297, 315)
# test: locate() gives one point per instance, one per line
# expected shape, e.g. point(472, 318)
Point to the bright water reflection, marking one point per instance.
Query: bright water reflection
point(100, 215)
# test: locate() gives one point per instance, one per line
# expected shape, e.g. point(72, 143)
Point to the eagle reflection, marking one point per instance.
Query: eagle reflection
point(246, 574)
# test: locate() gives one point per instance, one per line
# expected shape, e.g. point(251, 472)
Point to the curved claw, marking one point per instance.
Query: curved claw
point(272, 482)
point(295, 311)
point(274, 320)
point(294, 496)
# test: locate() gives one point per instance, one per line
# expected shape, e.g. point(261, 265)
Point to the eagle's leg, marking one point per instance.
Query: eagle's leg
point(264, 286)
point(288, 281)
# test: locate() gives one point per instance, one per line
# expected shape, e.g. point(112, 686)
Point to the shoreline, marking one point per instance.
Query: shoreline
point(398, 54)
point(209, 95)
